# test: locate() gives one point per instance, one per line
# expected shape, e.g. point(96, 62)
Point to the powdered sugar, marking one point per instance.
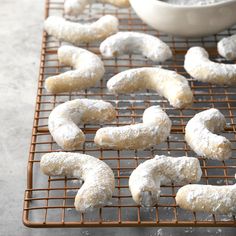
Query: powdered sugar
point(193, 2)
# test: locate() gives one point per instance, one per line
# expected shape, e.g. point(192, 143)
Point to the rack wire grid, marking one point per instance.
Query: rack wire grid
point(48, 201)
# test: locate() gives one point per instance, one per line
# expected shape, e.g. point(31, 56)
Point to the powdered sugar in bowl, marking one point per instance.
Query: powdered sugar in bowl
point(188, 18)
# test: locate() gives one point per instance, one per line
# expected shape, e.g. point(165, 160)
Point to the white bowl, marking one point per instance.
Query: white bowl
point(188, 21)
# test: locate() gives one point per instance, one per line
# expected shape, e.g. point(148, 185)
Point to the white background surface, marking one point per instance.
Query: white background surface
point(20, 41)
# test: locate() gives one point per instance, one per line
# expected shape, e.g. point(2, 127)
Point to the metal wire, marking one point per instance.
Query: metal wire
point(48, 202)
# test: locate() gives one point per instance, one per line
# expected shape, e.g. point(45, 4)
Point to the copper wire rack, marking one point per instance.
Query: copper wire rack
point(48, 201)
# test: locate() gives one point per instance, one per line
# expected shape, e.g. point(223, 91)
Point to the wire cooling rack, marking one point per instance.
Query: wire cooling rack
point(48, 201)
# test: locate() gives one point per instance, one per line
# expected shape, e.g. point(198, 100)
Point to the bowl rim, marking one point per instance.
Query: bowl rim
point(170, 5)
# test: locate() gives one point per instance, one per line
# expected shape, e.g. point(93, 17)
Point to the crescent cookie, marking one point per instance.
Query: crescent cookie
point(227, 47)
point(77, 33)
point(135, 43)
point(64, 120)
point(146, 180)
point(75, 7)
point(155, 129)
point(199, 66)
point(199, 134)
point(88, 69)
point(208, 198)
point(99, 180)
point(169, 84)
